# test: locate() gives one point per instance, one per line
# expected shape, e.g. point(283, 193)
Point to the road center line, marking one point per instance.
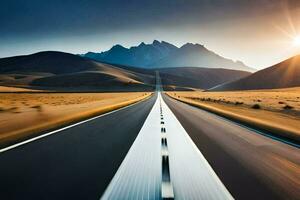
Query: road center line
point(144, 174)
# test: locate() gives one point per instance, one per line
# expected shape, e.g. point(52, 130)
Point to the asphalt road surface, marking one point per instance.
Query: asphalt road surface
point(77, 163)
point(80, 162)
point(250, 165)
point(163, 163)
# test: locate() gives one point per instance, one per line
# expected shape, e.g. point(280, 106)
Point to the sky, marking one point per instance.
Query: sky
point(259, 33)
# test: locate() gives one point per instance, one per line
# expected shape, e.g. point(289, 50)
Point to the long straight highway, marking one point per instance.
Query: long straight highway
point(156, 149)
point(75, 163)
point(163, 163)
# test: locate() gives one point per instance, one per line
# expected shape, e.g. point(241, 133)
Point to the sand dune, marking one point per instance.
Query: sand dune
point(282, 75)
point(16, 89)
point(63, 71)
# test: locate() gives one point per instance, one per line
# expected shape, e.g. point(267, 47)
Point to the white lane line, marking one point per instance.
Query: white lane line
point(139, 175)
point(192, 176)
point(64, 128)
point(167, 191)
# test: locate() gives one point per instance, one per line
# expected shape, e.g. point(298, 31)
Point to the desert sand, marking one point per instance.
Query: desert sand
point(17, 89)
point(275, 110)
point(24, 114)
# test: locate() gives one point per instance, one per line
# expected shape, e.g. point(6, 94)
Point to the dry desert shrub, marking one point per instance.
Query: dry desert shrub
point(256, 106)
point(288, 107)
point(239, 103)
point(12, 109)
point(38, 108)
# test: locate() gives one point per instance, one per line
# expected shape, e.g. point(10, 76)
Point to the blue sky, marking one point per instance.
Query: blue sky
point(258, 32)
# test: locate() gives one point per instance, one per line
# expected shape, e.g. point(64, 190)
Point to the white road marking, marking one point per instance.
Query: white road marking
point(64, 128)
point(191, 175)
point(140, 174)
point(167, 191)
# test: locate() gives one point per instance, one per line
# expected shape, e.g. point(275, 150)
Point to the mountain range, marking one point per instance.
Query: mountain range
point(166, 55)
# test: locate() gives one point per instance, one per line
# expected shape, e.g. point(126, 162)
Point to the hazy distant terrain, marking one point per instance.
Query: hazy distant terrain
point(67, 72)
point(282, 75)
point(163, 54)
point(196, 77)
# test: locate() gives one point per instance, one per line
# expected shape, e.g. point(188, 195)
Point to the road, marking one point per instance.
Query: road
point(163, 163)
point(76, 163)
point(81, 162)
point(250, 165)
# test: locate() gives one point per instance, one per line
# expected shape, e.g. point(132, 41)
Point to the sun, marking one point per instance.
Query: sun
point(296, 41)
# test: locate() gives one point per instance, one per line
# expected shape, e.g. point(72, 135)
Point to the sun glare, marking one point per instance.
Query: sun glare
point(297, 41)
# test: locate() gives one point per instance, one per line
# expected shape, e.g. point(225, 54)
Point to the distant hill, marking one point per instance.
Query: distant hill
point(165, 55)
point(282, 75)
point(70, 72)
point(47, 62)
point(64, 71)
point(192, 77)
point(200, 78)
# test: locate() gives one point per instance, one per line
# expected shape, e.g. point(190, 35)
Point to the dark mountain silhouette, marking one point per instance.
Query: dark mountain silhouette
point(139, 56)
point(165, 55)
point(282, 75)
point(47, 61)
point(68, 71)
